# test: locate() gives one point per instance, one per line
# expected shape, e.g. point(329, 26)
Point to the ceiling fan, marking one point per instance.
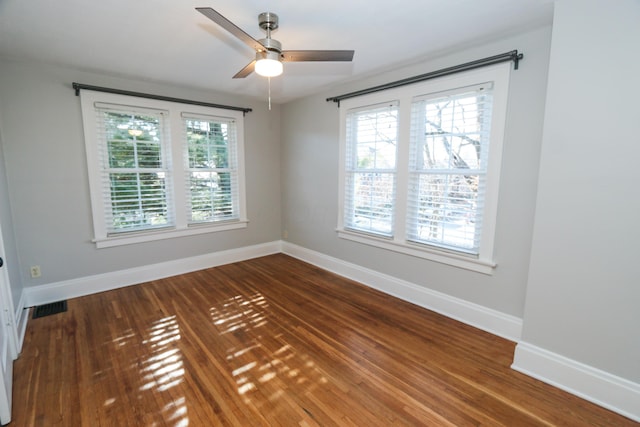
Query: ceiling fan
point(269, 53)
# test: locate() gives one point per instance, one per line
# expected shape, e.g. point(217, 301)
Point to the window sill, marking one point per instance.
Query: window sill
point(152, 235)
point(441, 256)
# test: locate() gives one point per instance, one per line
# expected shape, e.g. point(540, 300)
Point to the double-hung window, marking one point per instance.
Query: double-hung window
point(212, 171)
point(421, 167)
point(160, 169)
point(134, 173)
point(370, 169)
point(449, 147)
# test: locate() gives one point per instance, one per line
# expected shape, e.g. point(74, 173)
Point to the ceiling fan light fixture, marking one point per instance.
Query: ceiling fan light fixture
point(268, 64)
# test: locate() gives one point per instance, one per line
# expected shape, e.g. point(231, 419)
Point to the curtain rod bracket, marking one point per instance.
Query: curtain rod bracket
point(516, 59)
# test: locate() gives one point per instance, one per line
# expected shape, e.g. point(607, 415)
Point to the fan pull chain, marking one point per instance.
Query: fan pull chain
point(269, 78)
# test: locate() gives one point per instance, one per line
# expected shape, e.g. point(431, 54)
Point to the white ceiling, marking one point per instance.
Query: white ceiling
point(169, 41)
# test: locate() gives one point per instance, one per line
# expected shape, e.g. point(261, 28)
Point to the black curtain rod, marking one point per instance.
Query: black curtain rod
point(504, 57)
point(79, 86)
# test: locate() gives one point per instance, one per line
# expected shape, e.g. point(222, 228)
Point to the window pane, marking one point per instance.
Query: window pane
point(372, 206)
point(373, 136)
point(211, 196)
point(121, 153)
point(453, 131)
point(208, 144)
point(446, 210)
point(148, 155)
point(211, 169)
point(132, 140)
point(375, 139)
point(138, 200)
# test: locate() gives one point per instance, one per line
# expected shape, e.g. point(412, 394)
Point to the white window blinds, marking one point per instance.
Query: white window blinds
point(211, 169)
point(370, 170)
point(449, 147)
point(134, 173)
point(160, 169)
point(421, 167)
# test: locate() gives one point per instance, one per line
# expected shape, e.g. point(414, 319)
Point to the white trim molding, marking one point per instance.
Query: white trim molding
point(422, 251)
point(22, 317)
point(597, 386)
point(495, 322)
point(151, 235)
point(73, 288)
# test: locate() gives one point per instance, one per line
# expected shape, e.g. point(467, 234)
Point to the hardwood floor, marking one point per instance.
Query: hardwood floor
point(273, 341)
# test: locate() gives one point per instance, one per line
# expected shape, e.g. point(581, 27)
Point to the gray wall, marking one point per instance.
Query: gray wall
point(567, 238)
point(310, 180)
point(583, 297)
point(46, 172)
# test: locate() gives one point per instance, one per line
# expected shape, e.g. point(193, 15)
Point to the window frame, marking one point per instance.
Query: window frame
point(176, 155)
point(484, 261)
point(231, 168)
point(352, 169)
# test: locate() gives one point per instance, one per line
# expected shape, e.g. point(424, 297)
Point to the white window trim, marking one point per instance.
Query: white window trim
point(484, 262)
point(88, 99)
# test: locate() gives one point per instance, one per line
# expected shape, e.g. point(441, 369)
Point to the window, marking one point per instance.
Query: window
point(421, 167)
point(372, 138)
point(212, 171)
point(160, 169)
point(447, 168)
point(134, 169)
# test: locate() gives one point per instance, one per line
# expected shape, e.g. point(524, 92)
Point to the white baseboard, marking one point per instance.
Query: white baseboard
point(481, 317)
point(74, 288)
point(602, 388)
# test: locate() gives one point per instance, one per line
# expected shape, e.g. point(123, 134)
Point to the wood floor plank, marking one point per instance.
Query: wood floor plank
point(274, 342)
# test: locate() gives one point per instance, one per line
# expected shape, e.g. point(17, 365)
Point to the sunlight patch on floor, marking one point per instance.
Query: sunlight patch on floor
point(164, 369)
point(264, 359)
point(237, 313)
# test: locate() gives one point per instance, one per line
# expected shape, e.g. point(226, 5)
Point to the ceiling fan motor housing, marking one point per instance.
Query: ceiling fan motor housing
point(271, 45)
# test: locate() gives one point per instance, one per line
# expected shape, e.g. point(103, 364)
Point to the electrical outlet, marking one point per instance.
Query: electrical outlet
point(35, 271)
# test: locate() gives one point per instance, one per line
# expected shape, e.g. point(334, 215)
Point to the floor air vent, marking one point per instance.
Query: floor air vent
point(49, 309)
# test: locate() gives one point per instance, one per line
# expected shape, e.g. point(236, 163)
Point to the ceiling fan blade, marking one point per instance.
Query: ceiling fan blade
point(248, 69)
point(231, 27)
point(317, 55)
